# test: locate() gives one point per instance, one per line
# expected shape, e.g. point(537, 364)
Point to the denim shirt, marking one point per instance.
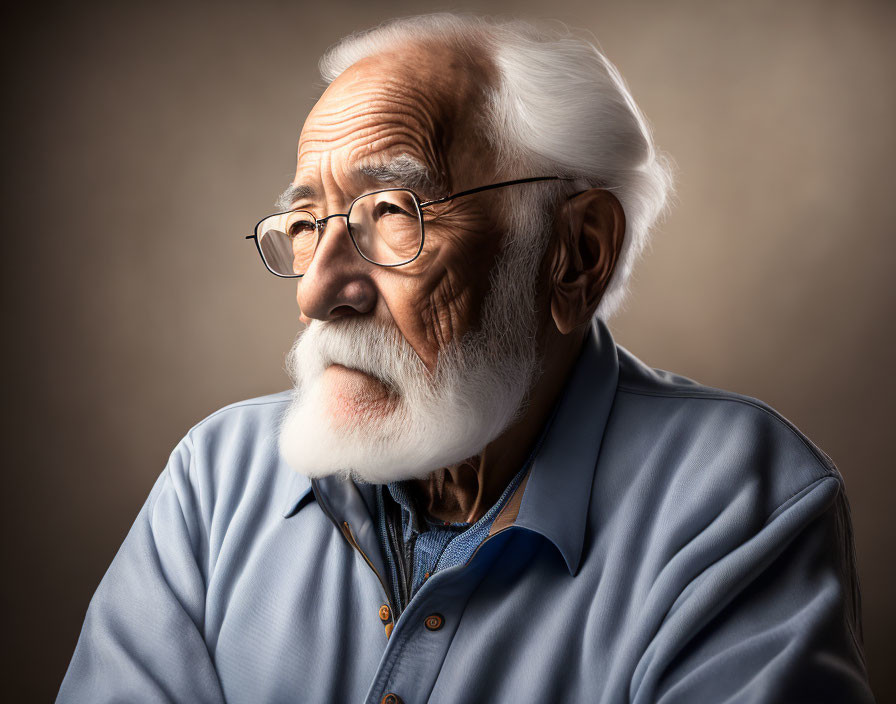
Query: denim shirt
point(671, 543)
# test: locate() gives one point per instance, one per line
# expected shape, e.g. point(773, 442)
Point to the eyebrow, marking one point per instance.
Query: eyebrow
point(403, 171)
point(293, 193)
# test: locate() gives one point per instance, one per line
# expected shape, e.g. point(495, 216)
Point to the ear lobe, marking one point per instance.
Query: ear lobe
point(585, 257)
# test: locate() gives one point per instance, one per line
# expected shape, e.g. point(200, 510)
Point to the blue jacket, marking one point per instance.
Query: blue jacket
point(671, 543)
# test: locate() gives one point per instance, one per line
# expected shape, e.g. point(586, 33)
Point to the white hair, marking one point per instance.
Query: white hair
point(557, 107)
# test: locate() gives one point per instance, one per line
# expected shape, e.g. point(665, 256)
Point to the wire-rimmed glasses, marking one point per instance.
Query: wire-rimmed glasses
point(385, 226)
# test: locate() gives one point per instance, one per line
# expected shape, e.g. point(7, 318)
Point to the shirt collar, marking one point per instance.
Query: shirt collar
point(557, 495)
point(412, 518)
point(299, 491)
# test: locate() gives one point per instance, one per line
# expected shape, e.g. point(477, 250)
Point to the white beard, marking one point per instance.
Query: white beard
point(425, 421)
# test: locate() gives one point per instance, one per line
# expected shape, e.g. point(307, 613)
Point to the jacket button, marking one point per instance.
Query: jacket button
point(391, 698)
point(434, 622)
point(385, 613)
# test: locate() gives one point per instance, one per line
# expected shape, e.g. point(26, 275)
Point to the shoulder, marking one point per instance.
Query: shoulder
point(244, 429)
point(244, 418)
point(230, 459)
point(713, 443)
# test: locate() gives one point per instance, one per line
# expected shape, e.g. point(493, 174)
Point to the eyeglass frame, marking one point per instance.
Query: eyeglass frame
point(320, 223)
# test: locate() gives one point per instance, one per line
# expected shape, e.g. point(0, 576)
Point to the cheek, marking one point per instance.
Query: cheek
point(439, 297)
point(407, 299)
point(467, 253)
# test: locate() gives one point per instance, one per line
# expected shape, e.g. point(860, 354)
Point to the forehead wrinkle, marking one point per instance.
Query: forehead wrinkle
point(443, 96)
point(373, 150)
point(366, 144)
point(393, 138)
point(364, 137)
point(375, 95)
point(427, 112)
point(375, 146)
point(351, 120)
point(411, 113)
point(381, 107)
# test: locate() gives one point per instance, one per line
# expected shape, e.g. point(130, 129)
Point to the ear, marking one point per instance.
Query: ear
point(588, 237)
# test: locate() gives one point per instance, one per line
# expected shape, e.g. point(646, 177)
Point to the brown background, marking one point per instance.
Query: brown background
point(143, 141)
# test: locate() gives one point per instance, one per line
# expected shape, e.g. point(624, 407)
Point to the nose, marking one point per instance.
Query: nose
point(338, 282)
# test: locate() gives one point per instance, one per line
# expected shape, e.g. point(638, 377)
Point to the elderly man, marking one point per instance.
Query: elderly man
point(472, 493)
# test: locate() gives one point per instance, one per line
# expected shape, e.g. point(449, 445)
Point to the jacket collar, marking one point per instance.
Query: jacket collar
point(557, 495)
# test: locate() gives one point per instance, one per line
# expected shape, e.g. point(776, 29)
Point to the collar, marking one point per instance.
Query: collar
point(298, 495)
point(556, 499)
point(557, 494)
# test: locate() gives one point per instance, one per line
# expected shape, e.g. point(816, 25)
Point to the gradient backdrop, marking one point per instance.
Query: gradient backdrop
point(144, 141)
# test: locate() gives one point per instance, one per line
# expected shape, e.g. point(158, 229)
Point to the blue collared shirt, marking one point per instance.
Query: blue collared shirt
point(429, 545)
point(671, 543)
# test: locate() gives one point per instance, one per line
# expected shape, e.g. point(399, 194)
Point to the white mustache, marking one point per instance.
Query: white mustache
point(357, 343)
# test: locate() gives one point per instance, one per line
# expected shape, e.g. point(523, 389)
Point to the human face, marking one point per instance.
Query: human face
point(401, 371)
point(376, 115)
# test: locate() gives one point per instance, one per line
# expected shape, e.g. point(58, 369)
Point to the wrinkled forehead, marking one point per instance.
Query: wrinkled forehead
point(418, 104)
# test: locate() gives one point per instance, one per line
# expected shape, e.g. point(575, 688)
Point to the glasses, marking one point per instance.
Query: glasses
point(386, 227)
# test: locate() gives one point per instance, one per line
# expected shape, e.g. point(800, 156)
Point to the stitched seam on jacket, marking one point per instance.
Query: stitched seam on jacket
point(827, 463)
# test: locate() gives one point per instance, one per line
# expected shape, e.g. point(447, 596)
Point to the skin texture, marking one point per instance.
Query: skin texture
point(416, 102)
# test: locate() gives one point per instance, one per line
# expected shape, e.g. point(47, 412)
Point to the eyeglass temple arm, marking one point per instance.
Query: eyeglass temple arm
point(469, 192)
point(494, 185)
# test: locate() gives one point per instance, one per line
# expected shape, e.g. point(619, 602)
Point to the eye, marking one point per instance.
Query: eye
point(299, 228)
point(385, 207)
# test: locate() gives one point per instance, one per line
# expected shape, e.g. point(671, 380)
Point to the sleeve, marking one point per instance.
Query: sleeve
point(142, 639)
point(775, 620)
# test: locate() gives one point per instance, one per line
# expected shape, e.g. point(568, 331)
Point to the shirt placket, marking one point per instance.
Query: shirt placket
point(421, 638)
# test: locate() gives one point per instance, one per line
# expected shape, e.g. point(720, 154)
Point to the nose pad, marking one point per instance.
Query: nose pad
point(329, 237)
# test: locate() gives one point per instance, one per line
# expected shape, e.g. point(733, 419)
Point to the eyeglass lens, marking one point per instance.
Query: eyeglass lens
point(385, 226)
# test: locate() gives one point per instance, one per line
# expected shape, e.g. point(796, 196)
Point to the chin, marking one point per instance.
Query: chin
point(395, 421)
point(354, 397)
point(383, 439)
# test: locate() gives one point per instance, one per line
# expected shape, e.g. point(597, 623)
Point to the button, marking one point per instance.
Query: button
point(391, 698)
point(434, 622)
point(385, 613)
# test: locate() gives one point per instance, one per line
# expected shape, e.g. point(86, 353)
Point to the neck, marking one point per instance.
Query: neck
point(464, 492)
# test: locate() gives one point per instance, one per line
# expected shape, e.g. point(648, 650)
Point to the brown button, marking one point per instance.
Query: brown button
point(434, 622)
point(385, 613)
point(391, 698)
